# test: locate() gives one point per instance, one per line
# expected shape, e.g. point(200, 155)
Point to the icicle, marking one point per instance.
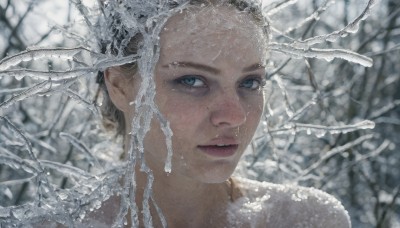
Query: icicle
point(147, 218)
point(159, 212)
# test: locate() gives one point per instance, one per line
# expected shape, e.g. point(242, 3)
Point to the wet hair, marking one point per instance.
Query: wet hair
point(113, 118)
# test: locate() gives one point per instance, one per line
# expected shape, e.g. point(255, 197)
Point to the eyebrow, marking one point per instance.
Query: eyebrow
point(253, 67)
point(210, 69)
point(198, 66)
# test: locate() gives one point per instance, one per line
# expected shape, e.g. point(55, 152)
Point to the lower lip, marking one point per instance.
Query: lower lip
point(219, 151)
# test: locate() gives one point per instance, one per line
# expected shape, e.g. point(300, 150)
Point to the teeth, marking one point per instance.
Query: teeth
point(222, 145)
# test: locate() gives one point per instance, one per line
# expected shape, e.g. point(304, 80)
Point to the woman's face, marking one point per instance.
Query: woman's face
point(208, 85)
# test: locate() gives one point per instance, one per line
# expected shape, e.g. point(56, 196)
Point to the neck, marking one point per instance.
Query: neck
point(184, 201)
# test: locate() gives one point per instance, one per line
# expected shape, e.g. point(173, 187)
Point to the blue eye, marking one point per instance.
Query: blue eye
point(251, 83)
point(192, 81)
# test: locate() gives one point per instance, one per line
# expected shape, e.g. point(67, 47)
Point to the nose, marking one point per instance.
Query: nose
point(227, 110)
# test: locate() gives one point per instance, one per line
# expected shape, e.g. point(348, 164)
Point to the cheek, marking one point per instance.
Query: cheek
point(182, 113)
point(255, 106)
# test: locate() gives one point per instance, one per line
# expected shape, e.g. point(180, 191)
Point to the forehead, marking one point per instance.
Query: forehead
point(212, 34)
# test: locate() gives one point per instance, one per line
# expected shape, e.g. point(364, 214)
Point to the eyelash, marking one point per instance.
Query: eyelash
point(183, 81)
point(259, 80)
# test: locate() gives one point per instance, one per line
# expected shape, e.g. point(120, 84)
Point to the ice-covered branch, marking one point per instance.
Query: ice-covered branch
point(66, 170)
point(25, 94)
point(352, 27)
point(320, 130)
point(55, 76)
point(82, 148)
point(38, 53)
point(334, 151)
point(277, 7)
point(327, 54)
point(314, 16)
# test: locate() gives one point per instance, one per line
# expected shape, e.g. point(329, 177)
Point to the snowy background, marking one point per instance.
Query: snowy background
point(332, 125)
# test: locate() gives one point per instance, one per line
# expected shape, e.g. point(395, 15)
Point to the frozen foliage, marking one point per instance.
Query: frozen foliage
point(58, 165)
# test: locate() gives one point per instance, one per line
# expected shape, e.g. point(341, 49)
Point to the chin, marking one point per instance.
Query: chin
point(218, 174)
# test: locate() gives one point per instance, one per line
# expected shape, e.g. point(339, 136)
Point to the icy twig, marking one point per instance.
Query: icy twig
point(90, 105)
point(55, 76)
point(38, 53)
point(25, 94)
point(159, 212)
point(39, 170)
point(280, 7)
point(16, 162)
point(300, 112)
point(379, 112)
point(327, 54)
point(28, 144)
point(314, 16)
point(81, 147)
point(83, 10)
point(333, 152)
point(281, 85)
point(42, 144)
point(66, 169)
point(18, 181)
point(320, 130)
point(352, 27)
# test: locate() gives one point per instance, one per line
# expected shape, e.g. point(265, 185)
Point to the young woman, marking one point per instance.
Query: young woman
point(209, 81)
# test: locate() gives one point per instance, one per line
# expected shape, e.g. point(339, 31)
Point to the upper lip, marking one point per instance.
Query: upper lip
point(221, 141)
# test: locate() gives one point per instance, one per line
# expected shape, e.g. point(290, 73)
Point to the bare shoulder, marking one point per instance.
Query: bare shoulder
point(294, 206)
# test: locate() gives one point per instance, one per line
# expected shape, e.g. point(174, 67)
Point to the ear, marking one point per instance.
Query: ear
point(119, 87)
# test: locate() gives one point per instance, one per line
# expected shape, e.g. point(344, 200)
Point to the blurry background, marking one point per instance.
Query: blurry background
point(310, 134)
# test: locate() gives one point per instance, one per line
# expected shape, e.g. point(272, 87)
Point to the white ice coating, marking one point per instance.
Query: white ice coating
point(352, 27)
point(69, 206)
point(280, 206)
point(320, 130)
point(326, 54)
point(25, 94)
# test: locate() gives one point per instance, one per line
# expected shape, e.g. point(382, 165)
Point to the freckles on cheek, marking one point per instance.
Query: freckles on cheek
point(182, 114)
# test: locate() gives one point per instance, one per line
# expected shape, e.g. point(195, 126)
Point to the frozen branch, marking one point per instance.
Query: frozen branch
point(327, 54)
